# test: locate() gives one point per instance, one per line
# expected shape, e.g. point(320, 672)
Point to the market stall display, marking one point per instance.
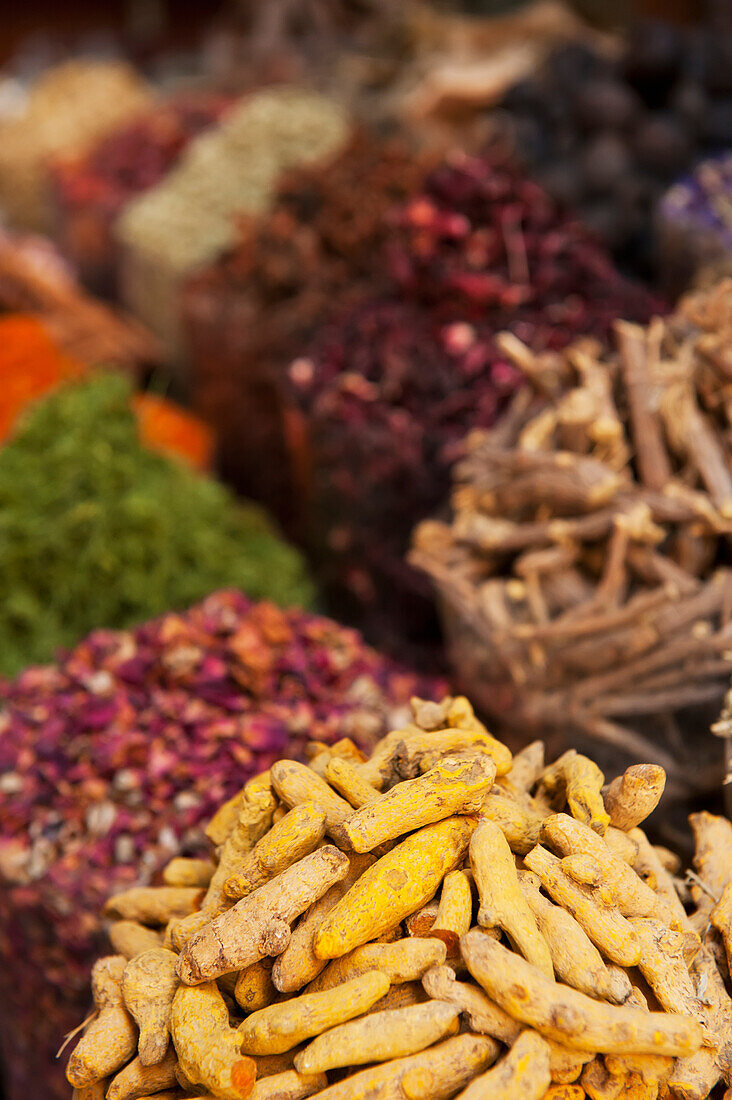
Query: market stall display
point(98, 530)
point(89, 190)
point(248, 315)
point(65, 111)
point(584, 575)
point(35, 280)
point(32, 365)
point(113, 760)
point(471, 925)
point(225, 175)
point(384, 396)
point(609, 133)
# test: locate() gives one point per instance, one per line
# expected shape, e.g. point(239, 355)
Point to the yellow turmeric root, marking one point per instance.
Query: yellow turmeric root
point(569, 837)
point(259, 924)
point(488, 1018)
point(255, 814)
point(608, 929)
point(452, 786)
point(575, 958)
point(519, 823)
point(398, 884)
point(154, 904)
point(296, 835)
point(129, 938)
point(289, 1085)
point(137, 1080)
point(522, 1075)
point(434, 1074)
point(188, 872)
point(455, 911)
point(207, 1047)
point(578, 780)
point(379, 1037)
point(502, 904)
point(298, 964)
point(569, 1017)
point(404, 961)
point(254, 988)
point(148, 987)
point(634, 795)
point(296, 783)
point(282, 1026)
point(345, 778)
point(110, 1039)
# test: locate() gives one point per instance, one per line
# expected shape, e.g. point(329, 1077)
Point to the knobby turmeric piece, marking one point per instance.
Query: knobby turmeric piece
point(575, 958)
point(110, 1038)
point(455, 911)
point(296, 835)
point(569, 837)
point(346, 779)
point(405, 754)
point(569, 1017)
point(608, 929)
point(289, 1085)
point(647, 865)
point(148, 987)
point(712, 859)
point(694, 1077)
point(295, 783)
point(188, 872)
point(282, 1026)
point(488, 1018)
point(502, 904)
point(255, 815)
point(154, 904)
point(452, 786)
point(663, 965)
point(519, 823)
point(522, 1075)
point(634, 795)
point(207, 1047)
point(526, 768)
point(398, 884)
point(259, 924)
point(580, 781)
point(434, 1074)
point(298, 964)
point(403, 961)
point(254, 988)
point(380, 1037)
point(721, 918)
point(137, 1080)
point(129, 938)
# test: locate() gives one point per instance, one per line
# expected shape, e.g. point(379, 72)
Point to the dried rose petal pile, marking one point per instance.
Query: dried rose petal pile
point(114, 759)
point(390, 390)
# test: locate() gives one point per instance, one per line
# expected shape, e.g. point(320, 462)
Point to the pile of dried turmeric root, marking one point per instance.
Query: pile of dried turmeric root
point(437, 920)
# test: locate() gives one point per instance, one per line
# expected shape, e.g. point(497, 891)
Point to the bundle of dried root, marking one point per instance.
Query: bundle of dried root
point(583, 574)
point(437, 920)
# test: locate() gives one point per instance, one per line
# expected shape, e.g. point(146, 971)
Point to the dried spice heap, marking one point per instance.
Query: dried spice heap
point(391, 389)
point(98, 530)
point(436, 920)
point(91, 189)
point(67, 109)
point(113, 760)
point(249, 314)
point(31, 365)
point(583, 572)
point(229, 173)
point(694, 224)
point(608, 134)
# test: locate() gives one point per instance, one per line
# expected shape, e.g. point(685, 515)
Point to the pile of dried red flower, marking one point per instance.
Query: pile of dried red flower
point(391, 388)
point(114, 759)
